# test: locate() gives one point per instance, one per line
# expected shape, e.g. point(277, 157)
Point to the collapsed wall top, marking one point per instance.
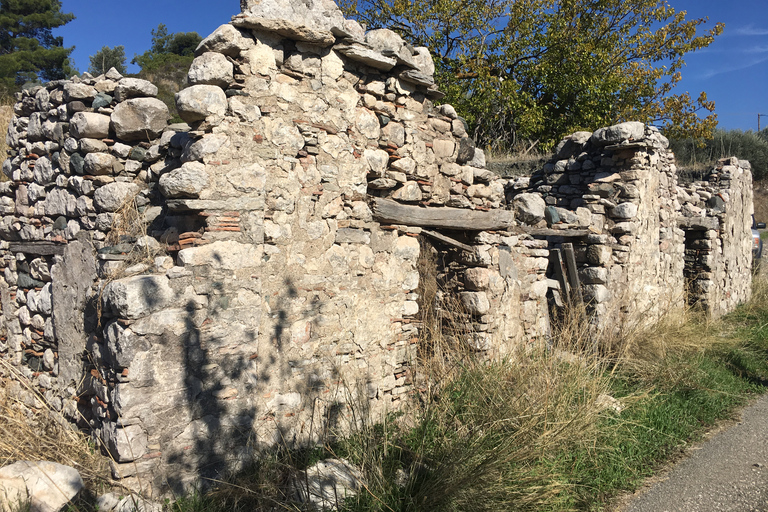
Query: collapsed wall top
point(321, 23)
point(314, 14)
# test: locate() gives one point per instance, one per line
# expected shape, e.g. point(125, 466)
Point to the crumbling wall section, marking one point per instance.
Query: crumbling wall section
point(192, 291)
point(643, 243)
point(717, 217)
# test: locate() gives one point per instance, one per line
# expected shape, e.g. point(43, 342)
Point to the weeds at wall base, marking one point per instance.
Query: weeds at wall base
point(528, 434)
point(531, 433)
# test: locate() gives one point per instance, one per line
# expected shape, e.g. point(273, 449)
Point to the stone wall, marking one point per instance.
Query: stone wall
point(718, 243)
point(190, 292)
point(643, 243)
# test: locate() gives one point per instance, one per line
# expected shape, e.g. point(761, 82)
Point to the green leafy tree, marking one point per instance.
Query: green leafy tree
point(28, 49)
point(107, 58)
point(539, 69)
point(168, 50)
point(167, 62)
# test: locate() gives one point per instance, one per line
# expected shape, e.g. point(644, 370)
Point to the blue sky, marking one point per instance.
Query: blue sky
point(733, 70)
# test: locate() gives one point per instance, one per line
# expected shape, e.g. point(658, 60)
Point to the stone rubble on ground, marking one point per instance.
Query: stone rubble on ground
point(327, 483)
point(44, 486)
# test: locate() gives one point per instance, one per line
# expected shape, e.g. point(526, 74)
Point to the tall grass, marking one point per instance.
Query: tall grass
point(561, 425)
point(37, 431)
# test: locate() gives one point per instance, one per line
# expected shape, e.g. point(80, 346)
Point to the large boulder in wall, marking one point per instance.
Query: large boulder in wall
point(140, 119)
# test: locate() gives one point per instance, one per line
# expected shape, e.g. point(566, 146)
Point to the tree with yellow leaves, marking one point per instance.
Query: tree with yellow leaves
point(536, 70)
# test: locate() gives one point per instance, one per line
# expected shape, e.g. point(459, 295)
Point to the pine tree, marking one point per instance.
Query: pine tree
point(28, 49)
point(107, 58)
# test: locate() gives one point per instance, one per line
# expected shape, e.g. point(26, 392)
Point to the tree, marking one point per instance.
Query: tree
point(168, 49)
point(28, 49)
point(167, 62)
point(107, 58)
point(539, 69)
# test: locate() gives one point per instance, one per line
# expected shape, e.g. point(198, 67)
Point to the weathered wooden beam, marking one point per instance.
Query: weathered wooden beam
point(448, 240)
point(573, 273)
point(41, 248)
point(561, 273)
point(389, 211)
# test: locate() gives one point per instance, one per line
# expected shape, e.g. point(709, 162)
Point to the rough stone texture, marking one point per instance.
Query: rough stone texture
point(252, 275)
point(197, 102)
point(314, 14)
point(47, 486)
point(139, 119)
point(132, 87)
point(90, 125)
point(72, 279)
point(624, 132)
point(111, 197)
point(327, 483)
point(226, 40)
point(529, 208)
point(134, 297)
point(187, 181)
point(211, 68)
point(655, 244)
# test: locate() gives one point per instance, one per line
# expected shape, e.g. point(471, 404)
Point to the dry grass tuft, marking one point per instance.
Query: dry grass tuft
point(39, 432)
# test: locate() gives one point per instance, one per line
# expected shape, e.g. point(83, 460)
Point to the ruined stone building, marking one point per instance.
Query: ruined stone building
point(190, 292)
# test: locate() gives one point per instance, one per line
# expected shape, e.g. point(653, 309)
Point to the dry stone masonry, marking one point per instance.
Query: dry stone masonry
point(194, 292)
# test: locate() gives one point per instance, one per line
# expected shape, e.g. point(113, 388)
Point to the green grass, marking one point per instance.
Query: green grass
point(527, 434)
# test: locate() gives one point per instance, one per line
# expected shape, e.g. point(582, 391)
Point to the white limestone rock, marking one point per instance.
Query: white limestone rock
point(321, 15)
point(78, 92)
point(47, 486)
point(618, 133)
point(423, 60)
point(140, 119)
point(226, 40)
point(111, 196)
point(134, 87)
point(326, 484)
point(197, 102)
point(187, 181)
point(98, 164)
point(89, 125)
point(529, 208)
point(211, 69)
point(367, 56)
point(136, 296)
point(228, 255)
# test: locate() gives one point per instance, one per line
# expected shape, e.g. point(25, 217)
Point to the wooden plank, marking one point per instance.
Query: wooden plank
point(573, 274)
point(38, 248)
point(560, 273)
point(392, 212)
point(448, 240)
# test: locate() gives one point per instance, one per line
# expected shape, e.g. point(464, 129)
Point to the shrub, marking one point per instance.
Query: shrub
point(697, 155)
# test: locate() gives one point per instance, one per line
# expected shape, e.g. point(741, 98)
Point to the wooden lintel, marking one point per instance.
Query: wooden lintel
point(392, 212)
point(448, 240)
point(38, 248)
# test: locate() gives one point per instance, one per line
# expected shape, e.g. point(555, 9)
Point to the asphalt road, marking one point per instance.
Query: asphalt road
point(729, 472)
